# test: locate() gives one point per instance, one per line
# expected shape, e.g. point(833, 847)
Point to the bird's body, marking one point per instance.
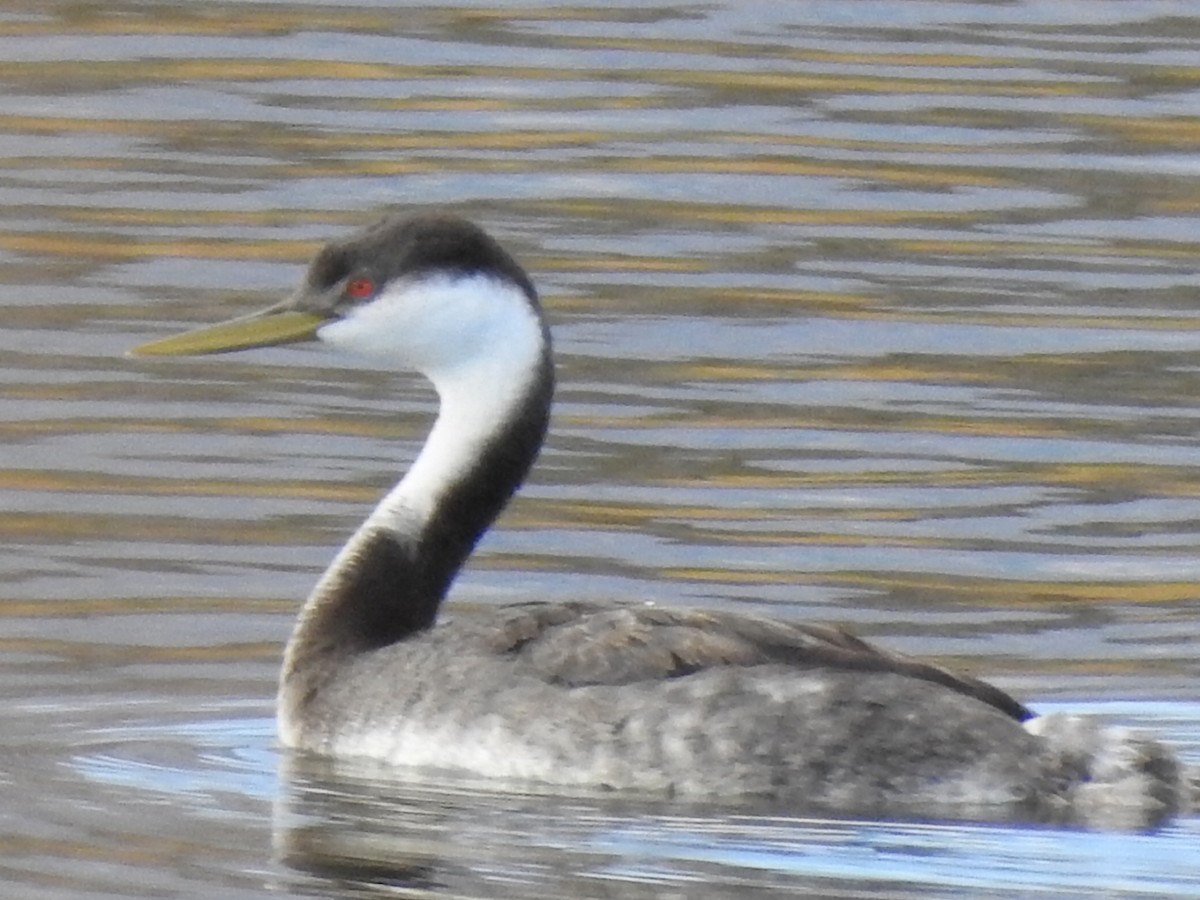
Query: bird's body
point(645, 698)
point(678, 703)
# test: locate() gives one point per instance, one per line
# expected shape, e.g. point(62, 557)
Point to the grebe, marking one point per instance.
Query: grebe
point(584, 696)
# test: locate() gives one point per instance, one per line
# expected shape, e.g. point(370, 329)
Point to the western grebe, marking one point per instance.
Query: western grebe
point(576, 695)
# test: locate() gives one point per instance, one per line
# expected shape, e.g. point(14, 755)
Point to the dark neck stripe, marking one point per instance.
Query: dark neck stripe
point(392, 585)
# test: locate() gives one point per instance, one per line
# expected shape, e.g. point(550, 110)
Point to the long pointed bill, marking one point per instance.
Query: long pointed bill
point(263, 329)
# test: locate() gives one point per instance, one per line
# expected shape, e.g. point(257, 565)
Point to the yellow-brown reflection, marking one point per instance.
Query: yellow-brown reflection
point(114, 248)
point(1025, 593)
point(92, 483)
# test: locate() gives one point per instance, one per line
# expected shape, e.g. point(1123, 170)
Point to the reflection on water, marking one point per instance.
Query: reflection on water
point(355, 831)
point(874, 313)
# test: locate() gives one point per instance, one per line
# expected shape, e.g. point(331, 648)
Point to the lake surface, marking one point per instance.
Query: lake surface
point(875, 313)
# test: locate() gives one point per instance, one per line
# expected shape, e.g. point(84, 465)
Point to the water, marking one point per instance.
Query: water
point(880, 314)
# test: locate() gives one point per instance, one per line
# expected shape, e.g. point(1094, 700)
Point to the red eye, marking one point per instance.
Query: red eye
point(360, 288)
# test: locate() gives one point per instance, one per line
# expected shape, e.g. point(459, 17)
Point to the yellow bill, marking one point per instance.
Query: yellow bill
point(264, 329)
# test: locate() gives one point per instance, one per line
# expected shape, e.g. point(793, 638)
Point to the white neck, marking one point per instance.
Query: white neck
point(479, 341)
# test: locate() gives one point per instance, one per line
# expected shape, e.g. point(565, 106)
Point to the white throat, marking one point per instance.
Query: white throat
point(478, 340)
